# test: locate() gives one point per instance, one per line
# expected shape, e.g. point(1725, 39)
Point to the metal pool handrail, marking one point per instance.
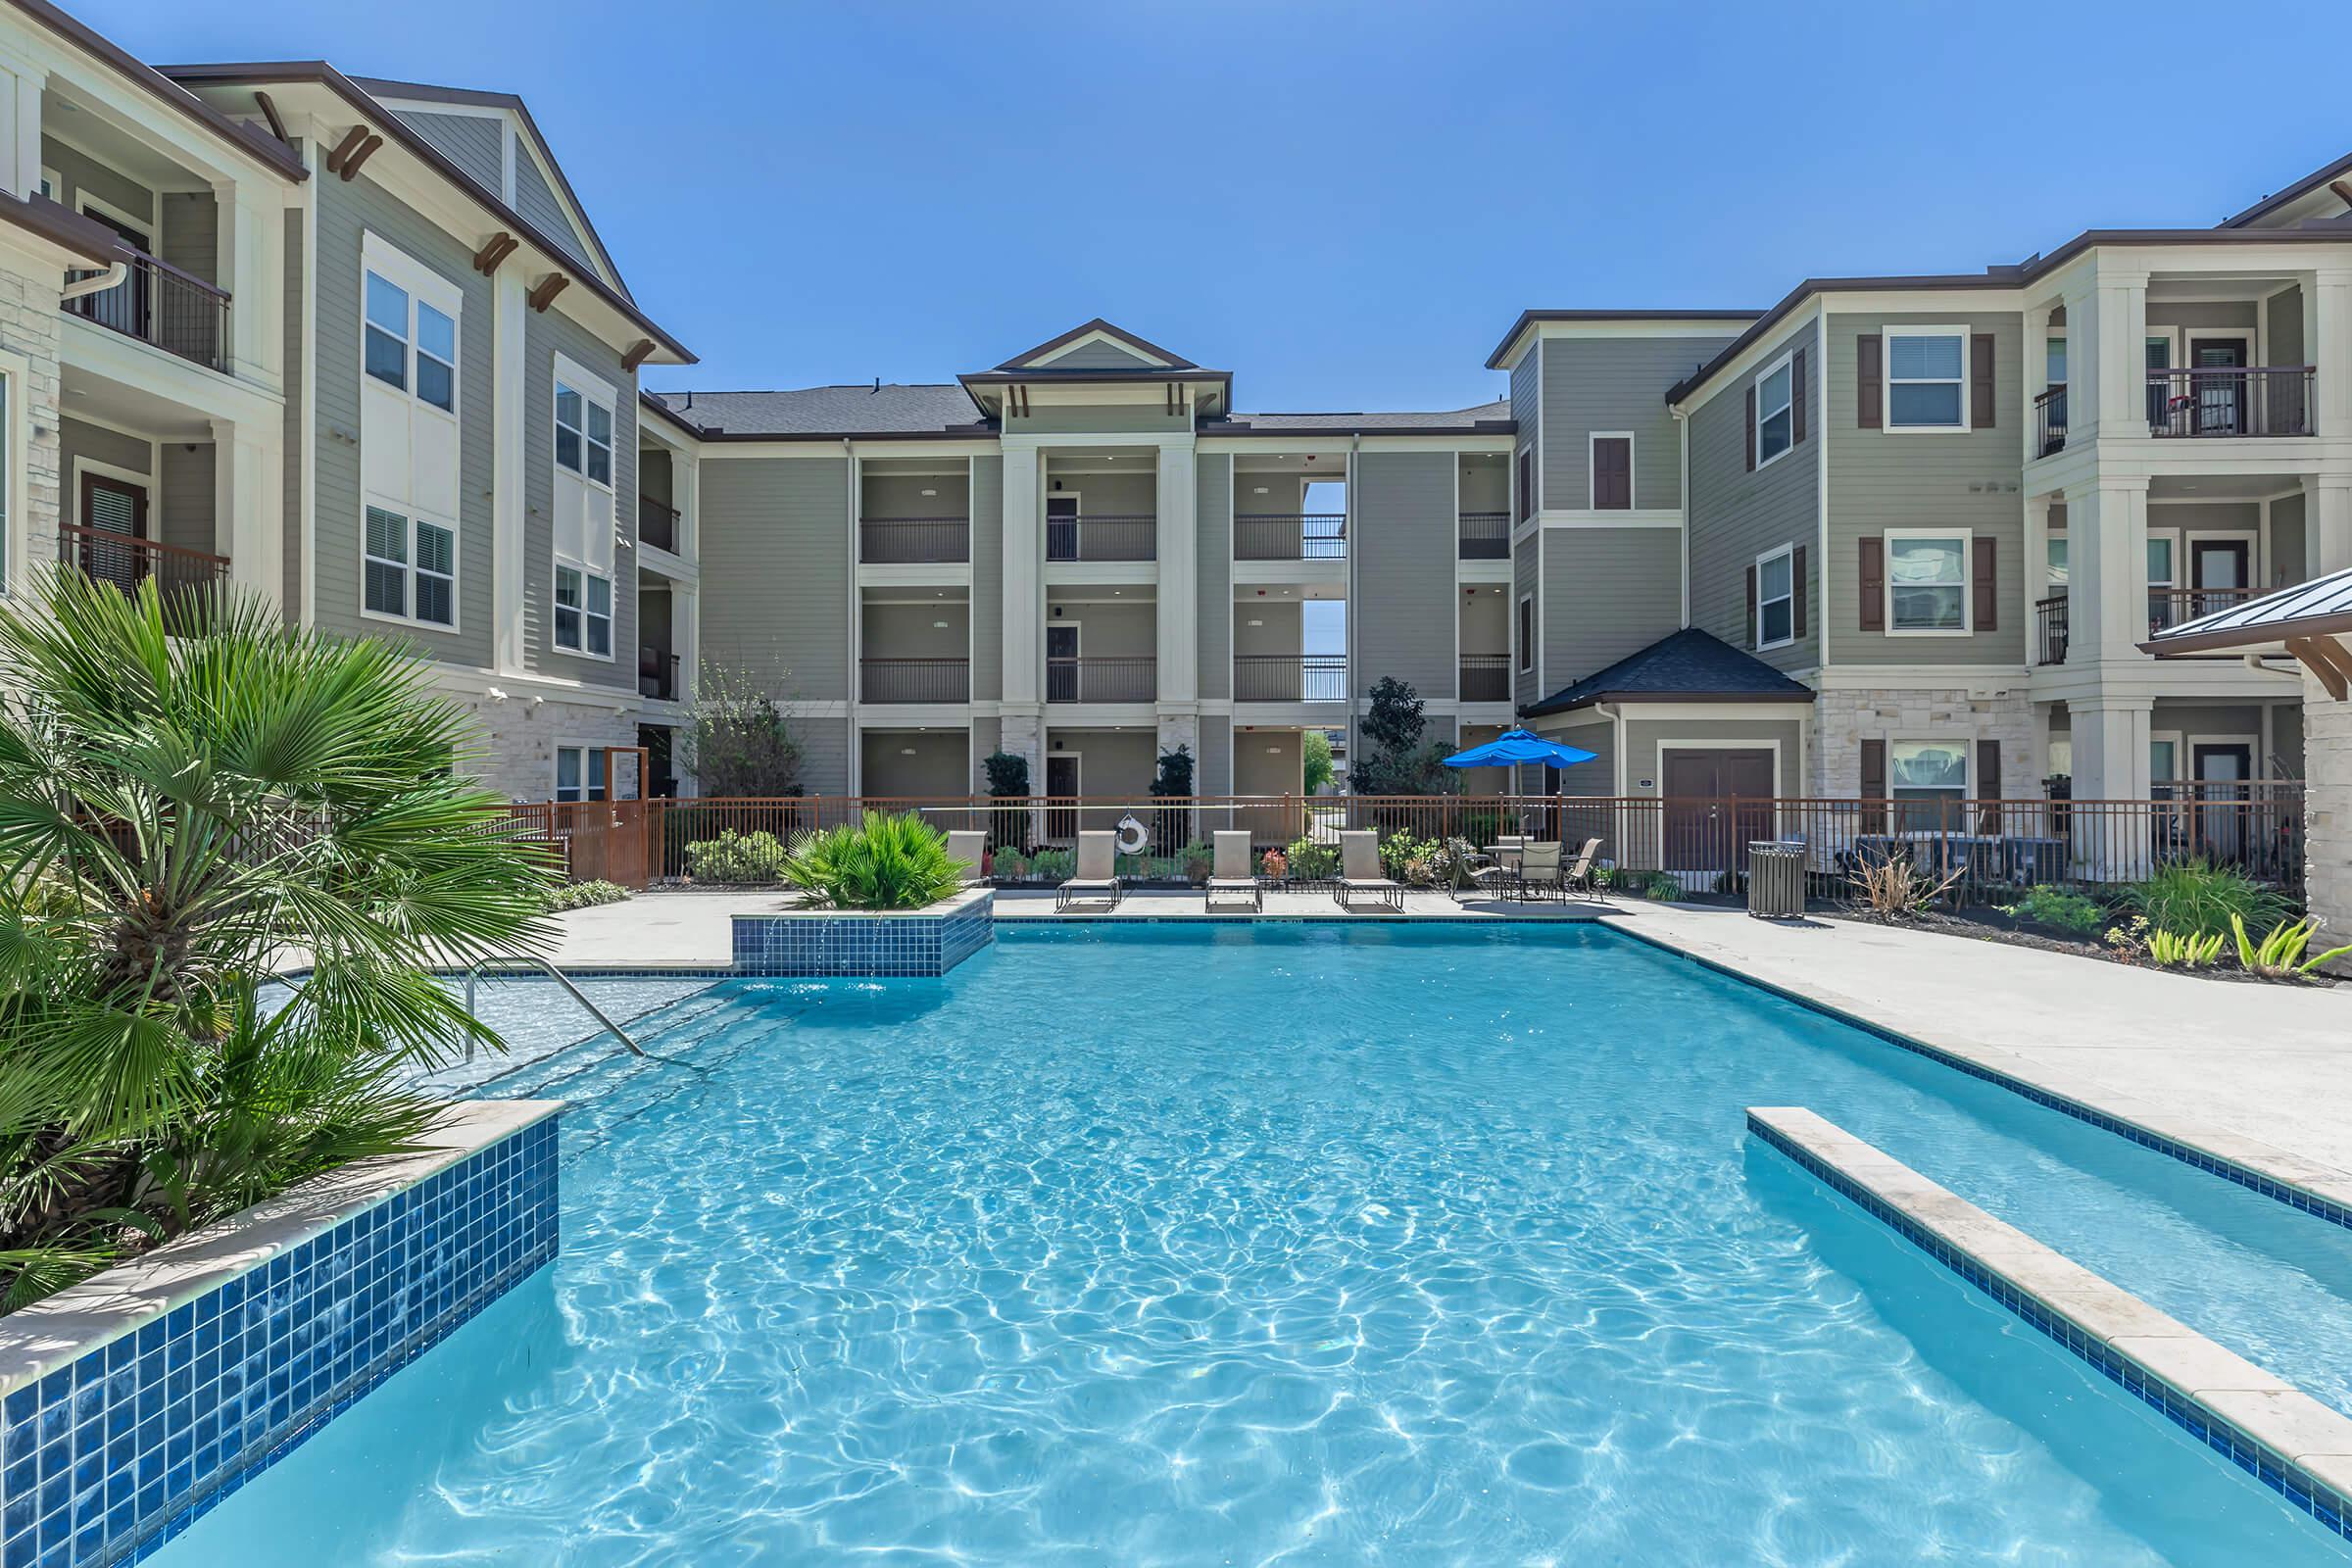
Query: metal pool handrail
point(560, 978)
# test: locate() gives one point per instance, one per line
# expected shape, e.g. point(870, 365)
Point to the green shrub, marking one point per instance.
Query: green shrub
point(1053, 866)
point(2279, 955)
point(2173, 952)
point(1664, 888)
point(2060, 910)
point(1309, 861)
point(2195, 898)
point(883, 862)
point(1008, 865)
point(585, 895)
point(737, 858)
point(1198, 860)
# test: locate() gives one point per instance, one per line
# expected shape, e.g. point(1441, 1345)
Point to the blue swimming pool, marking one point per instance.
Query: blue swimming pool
point(1307, 1244)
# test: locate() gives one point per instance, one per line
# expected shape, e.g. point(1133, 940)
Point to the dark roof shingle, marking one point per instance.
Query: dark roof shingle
point(1690, 665)
point(827, 411)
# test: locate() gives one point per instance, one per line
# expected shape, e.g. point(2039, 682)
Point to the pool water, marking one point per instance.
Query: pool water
point(1306, 1245)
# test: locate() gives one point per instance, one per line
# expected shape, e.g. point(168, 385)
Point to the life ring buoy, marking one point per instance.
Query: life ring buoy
point(1132, 836)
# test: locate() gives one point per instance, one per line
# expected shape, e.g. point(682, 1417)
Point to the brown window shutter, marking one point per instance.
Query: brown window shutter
point(1796, 398)
point(1979, 381)
point(1874, 582)
point(1751, 429)
point(1873, 786)
point(1984, 582)
point(1796, 577)
point(1988, 785)
point(1870, 382)
point(1612, 474)
point(1527, 483)
point(1751, 606)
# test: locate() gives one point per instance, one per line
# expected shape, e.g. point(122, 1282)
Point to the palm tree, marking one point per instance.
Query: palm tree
point(180, 817)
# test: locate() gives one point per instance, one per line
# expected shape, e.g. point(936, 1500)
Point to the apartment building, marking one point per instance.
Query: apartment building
point(347, 343)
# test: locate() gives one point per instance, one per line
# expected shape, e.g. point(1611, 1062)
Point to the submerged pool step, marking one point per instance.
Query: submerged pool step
point(2297, 1446)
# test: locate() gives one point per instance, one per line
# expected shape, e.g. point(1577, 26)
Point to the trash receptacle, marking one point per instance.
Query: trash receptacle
point(1776, 881)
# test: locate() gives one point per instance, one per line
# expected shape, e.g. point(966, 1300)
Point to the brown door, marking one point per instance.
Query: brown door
point(2218, 399)
point(2221, 571)
point(1061, 784)
point(2221, 771)
point(1703, 829)
point(113, 513)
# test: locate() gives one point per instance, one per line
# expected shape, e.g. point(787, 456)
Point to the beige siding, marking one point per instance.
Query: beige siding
point(776, 571)
point(1645, 731)
point(1405, 572)
point(1214, 492)
point(1615, 384)
point(1608, 592)
point(297, 535)
point(1736, 516)
point(824, 754)
point(1525, 576)
point(988, 580)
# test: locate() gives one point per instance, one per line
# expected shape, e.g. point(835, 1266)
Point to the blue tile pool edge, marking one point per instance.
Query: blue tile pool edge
point(2329, 1509)
point(111, 1447)
point(2229, 1171)
point(858, 945)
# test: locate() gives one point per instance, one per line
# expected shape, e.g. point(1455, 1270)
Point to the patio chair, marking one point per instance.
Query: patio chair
point(1539, 869)
point(1476, 868)
point(1579, 877)
point(972, 849)
point(1359, 871)
point(1231, 874)
point(1098, 854)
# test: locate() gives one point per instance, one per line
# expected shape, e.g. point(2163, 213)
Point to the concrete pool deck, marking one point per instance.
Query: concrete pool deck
point(2228, 1068)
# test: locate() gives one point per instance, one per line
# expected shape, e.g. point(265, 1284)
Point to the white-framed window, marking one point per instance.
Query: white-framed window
point(584, 433)
point(2164, 549)
point(1776, 598)
point(2164, 757)
point(50, 184)
point(583, 430)
point(1527, 633)
point(583, 611)
point(579, 772)
point(1926, 378)
point(1776, 410)
point(409, 568)
point(2054, 361)
point(1923, 776)
point(410, 345)
point(2054, 563)
point(1926, 583)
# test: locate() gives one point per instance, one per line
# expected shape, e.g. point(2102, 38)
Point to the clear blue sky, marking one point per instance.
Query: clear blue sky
point(1344, 204)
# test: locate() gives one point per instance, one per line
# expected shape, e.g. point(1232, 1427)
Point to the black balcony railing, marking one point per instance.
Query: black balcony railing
point(1484, 535)
point(658, 675)
point(1118, 679)
point(2049, 630)
point(2049, 420)
point(1290, 679)
point(2170, 606)
point(1486, 677)
point(1290, 536)
point(914, 541)
point(2231, 400)
point(657, 523)
point(915, 680)
point(159, 304)
point(1103, 537)
point(183, 578)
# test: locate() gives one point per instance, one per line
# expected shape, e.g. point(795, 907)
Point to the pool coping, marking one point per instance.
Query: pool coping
point(60, 1329)
point(2283, 1437)
point(2309, 1186)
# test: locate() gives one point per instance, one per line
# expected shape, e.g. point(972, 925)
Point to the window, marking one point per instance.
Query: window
point(1527, 483)
point(1612, 468)
point(436, 358)
point(2054, 362)
point(583, 611)
point(579, 772)
point(1922, 775)
point(1527, 633)
point(412, 346)
point(1926, 583)
point(1924, 375)
point(1776, 599)
point(2160, 561)
point(583, 434)
point(2164, 760)
point(410, 569)
point(387, 331)
point(2057, 560)
point(1776, 416)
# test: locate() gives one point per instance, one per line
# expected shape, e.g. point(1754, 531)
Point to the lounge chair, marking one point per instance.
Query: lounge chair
point(1359, 871)
point(972, 849)
point(1539, 869)
point(1098, 854)
point(1231, 874)
point(1579, 877)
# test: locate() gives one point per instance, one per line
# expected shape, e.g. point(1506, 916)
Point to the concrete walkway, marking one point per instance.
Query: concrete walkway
point(2262, 1074)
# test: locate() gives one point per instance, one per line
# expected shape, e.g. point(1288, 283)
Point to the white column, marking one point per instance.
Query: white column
point(2328, 520)
point(2083, 339)
point(250, 261)
point(505, 329)
point(2038, 565)
point(1178, 609)
point(20, 83)
point(1024, 567)
point(2107, 569)
point(2329, 348)
point(2120, 373)
point(249, 505)
point(2038, 381)
point(686, 637)
point(2111, 763)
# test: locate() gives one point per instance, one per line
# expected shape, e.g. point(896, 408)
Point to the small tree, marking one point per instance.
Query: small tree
point(1395, 759)
point(1007, 780)
point(1394, 721)
point(1316, 769)
point(737, 740)
point(1173, 782)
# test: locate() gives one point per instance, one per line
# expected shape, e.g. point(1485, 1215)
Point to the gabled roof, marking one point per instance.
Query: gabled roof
point(1690, 666)
point(2294, 193)
point(1150, 356)
point(825, 412)
point(2320, 608)
point(1702, 318)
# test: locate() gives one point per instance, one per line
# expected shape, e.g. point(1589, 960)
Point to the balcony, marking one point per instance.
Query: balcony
point(914, 680)
point(1486, 677)
point(1289, 677)
point(2230, 401)
point(1132, 536)
point(1485, 536)
point(159, 304)
point(1117, 679)
point(2049, 420)
point(656, 523)
point(182, 577)
point(2049, 630)
point(658, 675)
point(2167, 608)
point(1290, 536)
point(914, 541)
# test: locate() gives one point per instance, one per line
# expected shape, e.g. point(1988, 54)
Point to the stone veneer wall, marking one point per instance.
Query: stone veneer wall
point(31, 324)
point(2328, 814)
point(519, 737)
point(134, 1402)
point(1844, 719)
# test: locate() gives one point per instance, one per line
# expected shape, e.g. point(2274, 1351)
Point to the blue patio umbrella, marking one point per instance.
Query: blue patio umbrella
point(1518, 746)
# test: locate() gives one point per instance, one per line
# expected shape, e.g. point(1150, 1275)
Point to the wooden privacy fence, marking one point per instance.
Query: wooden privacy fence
point(1994, 847)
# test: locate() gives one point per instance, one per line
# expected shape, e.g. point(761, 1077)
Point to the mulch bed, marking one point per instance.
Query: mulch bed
point(1983, 924)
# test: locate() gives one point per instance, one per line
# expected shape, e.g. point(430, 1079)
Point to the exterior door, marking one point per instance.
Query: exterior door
point(2220, 570)
point(1062, 663)
point(1061, 784)
point(2220, 399)
point(113, 512)
point(1703, 829)
point(1061, 527)
point(2223, 770)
